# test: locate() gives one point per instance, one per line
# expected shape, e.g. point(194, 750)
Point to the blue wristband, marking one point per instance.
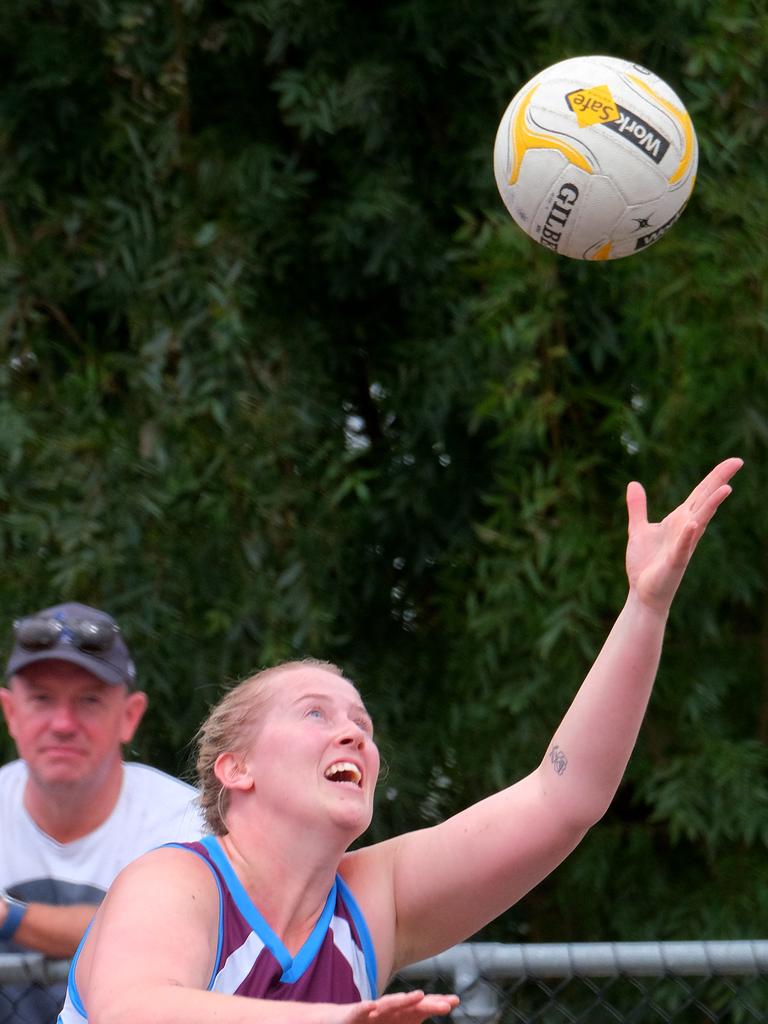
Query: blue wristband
point(16, 911)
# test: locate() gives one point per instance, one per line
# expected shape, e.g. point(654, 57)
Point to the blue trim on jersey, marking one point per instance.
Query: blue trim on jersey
point(72, 991)
point(311, 947)
point(219, 944)
point(365, 936)
point(293, 967)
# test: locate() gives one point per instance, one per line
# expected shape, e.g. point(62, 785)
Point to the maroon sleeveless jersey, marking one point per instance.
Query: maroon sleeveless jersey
point(336, 964)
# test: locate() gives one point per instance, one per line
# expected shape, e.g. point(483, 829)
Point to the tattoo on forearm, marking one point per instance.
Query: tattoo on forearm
point(558, 759)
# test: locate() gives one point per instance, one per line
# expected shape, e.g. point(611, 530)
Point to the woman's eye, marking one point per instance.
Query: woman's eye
point(315, 713)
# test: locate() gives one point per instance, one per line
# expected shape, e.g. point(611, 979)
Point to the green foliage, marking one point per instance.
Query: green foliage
point(279, 377)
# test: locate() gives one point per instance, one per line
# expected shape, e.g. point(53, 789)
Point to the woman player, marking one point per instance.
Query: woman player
point(272, 919)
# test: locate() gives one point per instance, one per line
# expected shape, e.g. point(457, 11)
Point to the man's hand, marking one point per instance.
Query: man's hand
point(658, 553)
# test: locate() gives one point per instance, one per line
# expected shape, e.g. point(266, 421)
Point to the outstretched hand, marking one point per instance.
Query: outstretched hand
point(398, 1008)
point(658, 553)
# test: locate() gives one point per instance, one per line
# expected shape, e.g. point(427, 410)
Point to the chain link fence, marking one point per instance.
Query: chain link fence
point(601, 983)
point(579, 983)
point(32, 989)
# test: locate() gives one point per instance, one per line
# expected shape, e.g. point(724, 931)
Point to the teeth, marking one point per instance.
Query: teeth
point(344, 768)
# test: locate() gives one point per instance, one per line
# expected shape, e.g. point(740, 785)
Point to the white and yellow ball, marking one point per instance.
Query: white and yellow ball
point(595, 158)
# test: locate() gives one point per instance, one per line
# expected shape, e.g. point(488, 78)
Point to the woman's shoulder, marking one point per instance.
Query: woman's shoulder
point(176, 864)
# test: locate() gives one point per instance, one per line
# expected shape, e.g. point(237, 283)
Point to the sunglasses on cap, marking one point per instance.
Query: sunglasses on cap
point(92, 636)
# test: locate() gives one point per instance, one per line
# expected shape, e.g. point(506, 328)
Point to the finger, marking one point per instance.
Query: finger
point(400, 999)
point(685, 543)
point(414, 999)
point(365, 1008)
point(710, 505)
point(637, 506)
point(413, 995)
point(444, 1004)
point(693, 531)
point(437, 1005)
point(396, 1001)
point(441, 997)
point(720, 475)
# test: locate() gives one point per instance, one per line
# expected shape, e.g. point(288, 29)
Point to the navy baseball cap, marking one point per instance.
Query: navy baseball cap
point(76, 633)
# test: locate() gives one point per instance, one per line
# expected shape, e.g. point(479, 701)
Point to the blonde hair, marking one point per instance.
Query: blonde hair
point(228, 728)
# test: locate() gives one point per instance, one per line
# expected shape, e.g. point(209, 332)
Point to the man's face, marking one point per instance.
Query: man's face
point(67, 724)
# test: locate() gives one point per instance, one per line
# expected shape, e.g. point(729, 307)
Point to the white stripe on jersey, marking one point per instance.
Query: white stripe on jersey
point(346, 945)
point(238, 965)
point(69, 1014)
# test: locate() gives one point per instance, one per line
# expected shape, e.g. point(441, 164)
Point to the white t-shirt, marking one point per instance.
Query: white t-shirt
point(153, 808)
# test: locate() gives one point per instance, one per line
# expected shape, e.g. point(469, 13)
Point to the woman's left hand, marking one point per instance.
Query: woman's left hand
point(658, 553)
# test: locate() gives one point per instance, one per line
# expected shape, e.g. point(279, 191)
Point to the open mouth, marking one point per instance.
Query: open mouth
point(344, 771)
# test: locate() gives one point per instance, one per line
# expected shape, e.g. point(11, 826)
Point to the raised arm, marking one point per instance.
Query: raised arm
point(590, 749)
point(450, 880)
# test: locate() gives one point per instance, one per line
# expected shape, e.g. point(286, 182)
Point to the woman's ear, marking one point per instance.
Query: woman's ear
point(232, 772)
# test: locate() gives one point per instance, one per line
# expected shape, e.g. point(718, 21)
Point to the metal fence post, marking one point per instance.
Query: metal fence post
point(479, 998)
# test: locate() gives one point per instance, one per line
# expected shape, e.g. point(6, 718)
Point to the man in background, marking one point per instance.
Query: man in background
point(72, 812)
